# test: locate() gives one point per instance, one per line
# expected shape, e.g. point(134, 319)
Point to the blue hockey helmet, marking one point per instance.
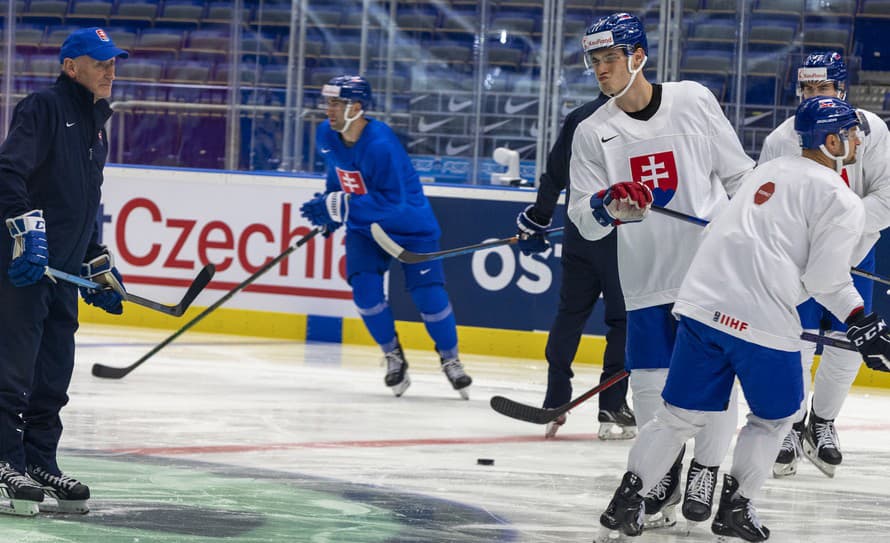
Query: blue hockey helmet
point(820, 116)
point(824, 66)
point(617, 30)
point(352, 88)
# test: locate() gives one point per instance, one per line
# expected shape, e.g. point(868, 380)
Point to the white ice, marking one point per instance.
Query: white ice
point(322, 411)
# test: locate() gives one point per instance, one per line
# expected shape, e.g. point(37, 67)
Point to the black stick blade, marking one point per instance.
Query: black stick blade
point(523, 412)
point(108, 372)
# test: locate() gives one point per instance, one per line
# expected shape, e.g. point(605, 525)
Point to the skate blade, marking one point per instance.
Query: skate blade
point(811, 454)
point(784, 470)
point(551, 429)
point(665, 518)
point(609, 431)
point(691, 527)
point(464, 392)
point(400, 388)
point(66, 507)
point(21, 508)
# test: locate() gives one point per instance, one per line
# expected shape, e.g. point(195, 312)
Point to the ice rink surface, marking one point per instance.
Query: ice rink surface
point(220, 438)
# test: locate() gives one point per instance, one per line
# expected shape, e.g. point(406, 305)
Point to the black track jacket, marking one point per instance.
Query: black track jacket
point(52, 160)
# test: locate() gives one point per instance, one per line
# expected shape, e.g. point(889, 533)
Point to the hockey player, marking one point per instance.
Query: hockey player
point(738, 318)
point(589, 268)
point(50, 177)
point(370, 179)
point(674, 144)
point(825, 74)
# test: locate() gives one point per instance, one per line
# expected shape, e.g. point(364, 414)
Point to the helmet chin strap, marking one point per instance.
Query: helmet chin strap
point(633, 75)
point(347, 119)
point(838, 160)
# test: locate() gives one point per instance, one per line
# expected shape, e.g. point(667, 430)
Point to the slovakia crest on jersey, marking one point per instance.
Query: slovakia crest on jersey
point(351, 181)
point(658, 171)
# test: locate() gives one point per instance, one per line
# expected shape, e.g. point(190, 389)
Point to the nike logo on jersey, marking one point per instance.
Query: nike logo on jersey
point(604, 140)
point(451, 149)
point(510, 108)
point(492, 126)
point(454, 106)
point(423, 126)
point(69, 125)
point(426, 271)
point(324, 150)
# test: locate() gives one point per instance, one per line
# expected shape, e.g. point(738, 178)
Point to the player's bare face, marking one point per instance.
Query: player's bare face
point(818, 88)
point(853, 137)
point(610, 67)
point(336, 112)
point(96, 75)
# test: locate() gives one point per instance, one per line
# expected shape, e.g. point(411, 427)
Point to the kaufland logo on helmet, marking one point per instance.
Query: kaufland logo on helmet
point(598, 40)
point(102, 35)
point(812, 74)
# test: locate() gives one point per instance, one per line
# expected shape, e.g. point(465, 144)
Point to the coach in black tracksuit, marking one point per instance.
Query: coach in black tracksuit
point(588, 269)
point(51, 162)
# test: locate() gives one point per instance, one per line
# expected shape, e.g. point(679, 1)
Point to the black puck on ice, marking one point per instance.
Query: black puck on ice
point(485, 461)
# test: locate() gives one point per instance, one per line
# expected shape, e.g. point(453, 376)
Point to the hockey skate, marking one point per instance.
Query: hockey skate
point(736, 516)
point(397, 371)
point(553, 426)
point(24, 495)
point(456, 375)
point(789, 454)
point(820, 444)
point(661, 502)
point(619, 424)
point(624, 515)
point(700, 484)
point(70, 494)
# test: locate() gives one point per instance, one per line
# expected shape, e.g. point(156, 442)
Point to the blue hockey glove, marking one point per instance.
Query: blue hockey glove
point(30, 252)
point(101, 270)
point(327, 210)
point(870, 335)
point(531, 234)
point(621, 203)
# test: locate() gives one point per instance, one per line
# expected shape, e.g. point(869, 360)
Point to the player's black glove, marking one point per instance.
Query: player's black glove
point(870, 335)
point(531, 231)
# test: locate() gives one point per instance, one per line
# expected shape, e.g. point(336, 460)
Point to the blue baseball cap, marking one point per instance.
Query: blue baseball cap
point(93, 42)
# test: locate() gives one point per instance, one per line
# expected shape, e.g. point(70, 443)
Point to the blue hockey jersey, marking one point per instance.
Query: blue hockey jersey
point(384, 186)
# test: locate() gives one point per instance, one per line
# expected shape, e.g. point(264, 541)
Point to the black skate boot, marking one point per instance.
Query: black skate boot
point(790, 453)
point(397, 371)
point(700, 484)
point(24, 496)
point(619, 424)
point(661, 502)
point(625, 511)
point(70, 494)
point(736, 516)
point(456, 375)
point(820, 444)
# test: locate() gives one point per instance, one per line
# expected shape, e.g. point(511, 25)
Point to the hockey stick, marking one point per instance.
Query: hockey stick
point(542, 415)
point(195, 288)
point(829, 341)
point(702, 222)
point(404, 255)
point(110, 372)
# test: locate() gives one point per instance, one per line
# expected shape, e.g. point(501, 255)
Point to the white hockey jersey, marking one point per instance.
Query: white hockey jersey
point(690, 157)
point(788, 234)
point(869, 176)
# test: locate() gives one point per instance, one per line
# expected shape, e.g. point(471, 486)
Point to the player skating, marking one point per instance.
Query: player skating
point(370, 179)
point(50, 177)
point(825, 74)
point(738, 318)
point(670, 142)
point(589, 269)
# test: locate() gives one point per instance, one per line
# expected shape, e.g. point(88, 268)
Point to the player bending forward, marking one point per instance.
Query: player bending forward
point(370, 179)
point(738, 318)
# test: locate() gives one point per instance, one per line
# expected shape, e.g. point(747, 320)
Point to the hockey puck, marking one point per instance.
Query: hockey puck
point(485, 461)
